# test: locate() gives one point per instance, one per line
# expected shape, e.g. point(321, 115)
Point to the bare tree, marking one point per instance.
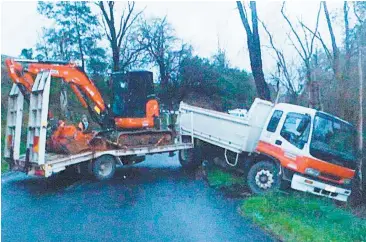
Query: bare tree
point(359, 9)
point(254, 47)
point(347, 42)
point(360, 120)
point(336, 56)
point(119, 37)
point(285, 75)
point(305, 49)
point(164, 49)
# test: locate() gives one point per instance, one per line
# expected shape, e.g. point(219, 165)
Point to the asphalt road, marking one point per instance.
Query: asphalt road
point(153, 201)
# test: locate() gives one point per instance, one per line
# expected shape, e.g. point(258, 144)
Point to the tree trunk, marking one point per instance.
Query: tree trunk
point(115, 58)
point(164, 81)
point(254, 47)
point(347, 66)
point(256, 66)
point(360, 119)
point(79, 38)
point(336, 64)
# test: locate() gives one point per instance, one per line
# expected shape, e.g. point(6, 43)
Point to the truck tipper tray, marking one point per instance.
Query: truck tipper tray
point(224, 130)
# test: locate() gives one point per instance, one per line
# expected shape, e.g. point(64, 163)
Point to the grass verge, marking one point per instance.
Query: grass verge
point(218, 178)
point(4, 167)
point(302, 217)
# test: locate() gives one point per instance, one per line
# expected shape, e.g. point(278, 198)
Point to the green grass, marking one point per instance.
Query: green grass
point(219, 178)
point(302, 217)
point(4, 167)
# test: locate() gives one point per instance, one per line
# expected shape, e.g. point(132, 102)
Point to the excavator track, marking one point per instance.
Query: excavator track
point(141, 138)
point(69, 140)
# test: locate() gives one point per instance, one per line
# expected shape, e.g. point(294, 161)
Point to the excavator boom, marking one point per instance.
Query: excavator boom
point(69, 72)
point(82, 86)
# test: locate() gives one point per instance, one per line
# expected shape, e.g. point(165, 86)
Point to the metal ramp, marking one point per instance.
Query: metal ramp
point(38, 114)
point(14, 123)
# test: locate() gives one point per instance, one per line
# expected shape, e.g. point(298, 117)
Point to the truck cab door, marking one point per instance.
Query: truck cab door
point(287, 133)
point(294, 134)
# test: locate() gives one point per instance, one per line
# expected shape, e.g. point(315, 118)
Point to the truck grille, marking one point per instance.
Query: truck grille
point(324, 192)
point(330, 176)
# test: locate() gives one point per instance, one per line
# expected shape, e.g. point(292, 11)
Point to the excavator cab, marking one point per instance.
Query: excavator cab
point(133, 100)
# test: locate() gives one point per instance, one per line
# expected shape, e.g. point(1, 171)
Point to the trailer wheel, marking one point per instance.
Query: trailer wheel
point(263, 177)
point(190, 158)
point(104, 167)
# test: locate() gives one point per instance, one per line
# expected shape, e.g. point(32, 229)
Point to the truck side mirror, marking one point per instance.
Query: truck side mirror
point(305, 121)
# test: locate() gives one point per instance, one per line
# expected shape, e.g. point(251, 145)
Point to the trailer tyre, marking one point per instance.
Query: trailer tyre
point(263, 177)
point(104, 167)
point(190, 159)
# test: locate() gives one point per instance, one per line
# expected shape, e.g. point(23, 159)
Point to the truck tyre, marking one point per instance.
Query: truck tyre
point(263, 177)
point(104, 167)
point(190, 158)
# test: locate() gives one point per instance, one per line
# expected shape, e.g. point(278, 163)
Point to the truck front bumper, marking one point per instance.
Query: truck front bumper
point(304, 184)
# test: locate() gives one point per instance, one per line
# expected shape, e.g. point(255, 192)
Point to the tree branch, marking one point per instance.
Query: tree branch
point(297, 50)
point(294, 32)
point(244, 18)
point(356, 14)
point(105, 29)
point(318, 36)
point(316, 30)
point(253, 8)
point(280, 60)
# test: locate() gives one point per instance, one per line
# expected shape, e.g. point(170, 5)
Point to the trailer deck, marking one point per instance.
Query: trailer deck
point(58, 162)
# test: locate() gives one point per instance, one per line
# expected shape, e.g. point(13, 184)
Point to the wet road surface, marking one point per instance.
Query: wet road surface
point(153, 201)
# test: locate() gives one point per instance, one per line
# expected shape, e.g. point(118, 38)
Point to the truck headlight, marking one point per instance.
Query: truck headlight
point(346, 181)
point(312, 172)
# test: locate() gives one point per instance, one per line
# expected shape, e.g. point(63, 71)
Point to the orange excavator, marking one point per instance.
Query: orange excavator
point(133, 112)
point(133, 107)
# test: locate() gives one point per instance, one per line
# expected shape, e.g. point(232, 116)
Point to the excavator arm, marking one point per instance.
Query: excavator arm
point(83, 88)
point(80, 84)
point(17, 75)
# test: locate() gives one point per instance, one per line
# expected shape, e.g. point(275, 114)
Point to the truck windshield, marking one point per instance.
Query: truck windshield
point(333, 140)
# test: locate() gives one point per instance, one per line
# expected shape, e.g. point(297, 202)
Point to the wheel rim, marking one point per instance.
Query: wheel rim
point(264, 179)
point(105, 168)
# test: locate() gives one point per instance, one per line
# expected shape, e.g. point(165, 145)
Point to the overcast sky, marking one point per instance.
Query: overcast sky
point(202, 24)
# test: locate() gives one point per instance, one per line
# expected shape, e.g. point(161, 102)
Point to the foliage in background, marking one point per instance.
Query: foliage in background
point(164, 50)
point(73, 36)
point(227, 87)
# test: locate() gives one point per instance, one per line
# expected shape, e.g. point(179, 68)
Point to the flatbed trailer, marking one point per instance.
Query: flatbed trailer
point(59, 162)
point(37, 161)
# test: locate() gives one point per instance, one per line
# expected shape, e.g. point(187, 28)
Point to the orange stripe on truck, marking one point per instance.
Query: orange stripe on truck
point(300, 163)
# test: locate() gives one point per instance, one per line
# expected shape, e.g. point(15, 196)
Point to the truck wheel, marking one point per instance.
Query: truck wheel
point(263, 177)
point(189, 158)
point(104, 167)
